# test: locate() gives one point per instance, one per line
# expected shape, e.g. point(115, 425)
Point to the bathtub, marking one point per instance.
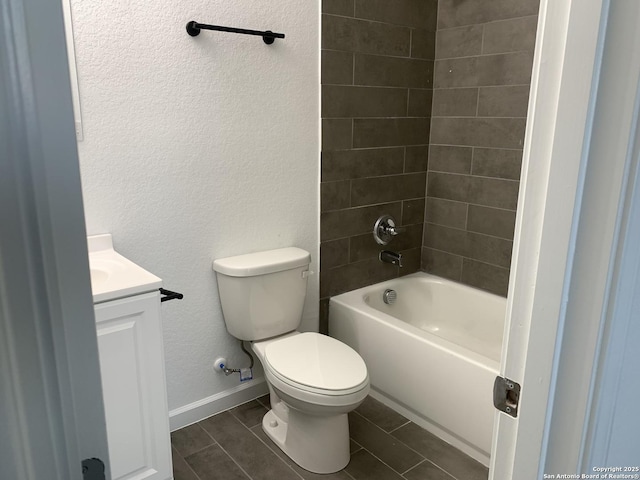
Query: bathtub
point(433, 354)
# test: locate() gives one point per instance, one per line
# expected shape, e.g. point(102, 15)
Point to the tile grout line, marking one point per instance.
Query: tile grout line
point(205, 430)
point(511, 149)
point(406, 445)
point(415, 466)
point(403, 25)
point(511, 210)
point(275, 453)
point(397, 428)
point(472, 204)
point(234, 461)
point(469, 175)
point(197, 451)
point(291, 465)
point(240, 420)
point(460, 88)
point(223, 449)
point(453, 477)
point(470, 231)
point(389, 466)
point(467, 258)
point(347, 473)
point(488, 22)
point(394, 437)
point(187, 463)
point(513, 52)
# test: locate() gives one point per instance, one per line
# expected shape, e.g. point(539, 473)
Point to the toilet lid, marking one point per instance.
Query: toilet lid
point(316, 361)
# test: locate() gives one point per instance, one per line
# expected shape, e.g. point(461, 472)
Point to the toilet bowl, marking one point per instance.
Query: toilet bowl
point(314, 380)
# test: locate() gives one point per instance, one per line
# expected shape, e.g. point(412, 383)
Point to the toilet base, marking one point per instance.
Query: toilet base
point(319, 444)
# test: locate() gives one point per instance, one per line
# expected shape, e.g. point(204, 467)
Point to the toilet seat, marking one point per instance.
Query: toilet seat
point(317, 364)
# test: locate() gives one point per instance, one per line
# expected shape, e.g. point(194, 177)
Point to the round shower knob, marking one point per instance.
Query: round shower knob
point(385, 229)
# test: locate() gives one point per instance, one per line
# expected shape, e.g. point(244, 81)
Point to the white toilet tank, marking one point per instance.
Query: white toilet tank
point(262, 294)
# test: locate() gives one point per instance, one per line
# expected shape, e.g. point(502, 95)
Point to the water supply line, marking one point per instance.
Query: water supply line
point(228, 371)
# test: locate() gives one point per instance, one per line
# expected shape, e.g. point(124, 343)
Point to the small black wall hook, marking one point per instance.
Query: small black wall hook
point(169, 295)
point(193, 29)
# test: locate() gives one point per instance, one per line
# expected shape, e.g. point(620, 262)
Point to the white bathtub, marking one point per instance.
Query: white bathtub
point(433, 354)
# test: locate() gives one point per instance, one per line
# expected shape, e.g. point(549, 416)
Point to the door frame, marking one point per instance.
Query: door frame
point(49, 370)
point(51, 408)
point(575, 166)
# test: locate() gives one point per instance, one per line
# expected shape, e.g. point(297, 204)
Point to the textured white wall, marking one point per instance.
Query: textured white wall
point(199, 148)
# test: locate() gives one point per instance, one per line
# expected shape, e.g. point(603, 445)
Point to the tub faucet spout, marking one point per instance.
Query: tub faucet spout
point(393, 258)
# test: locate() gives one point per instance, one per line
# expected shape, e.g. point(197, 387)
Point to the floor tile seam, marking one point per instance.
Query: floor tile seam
point(396, 439)
point(235, 462)
point(244, 424)
point(347, 473)
point(220, 445)
point(430, 460)
point(445, 471)
point(275, 453)
point(206, 431)
point(382, 429)
point(360, 447)
point(184, 459)
point(453, 477)
point(415, 466)
point(195, 452)
point(270, 449)
point(414, 450)
point(192, 470)
point(389, 466)
point(393, 430)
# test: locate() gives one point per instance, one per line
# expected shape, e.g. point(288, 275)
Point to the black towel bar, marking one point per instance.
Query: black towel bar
point(193, 29)
point(169, 295)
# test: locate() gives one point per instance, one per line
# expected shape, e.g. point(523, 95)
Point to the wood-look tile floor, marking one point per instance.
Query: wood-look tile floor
point(384, 446)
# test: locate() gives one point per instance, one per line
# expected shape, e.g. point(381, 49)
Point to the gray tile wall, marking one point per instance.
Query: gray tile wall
point(377, 74)
point(482, 72)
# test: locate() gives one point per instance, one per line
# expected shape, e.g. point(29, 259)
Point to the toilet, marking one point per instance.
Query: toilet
point(314, 380)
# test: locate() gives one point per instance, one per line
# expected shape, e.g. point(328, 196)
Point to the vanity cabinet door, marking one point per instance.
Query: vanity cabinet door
point(134, 388)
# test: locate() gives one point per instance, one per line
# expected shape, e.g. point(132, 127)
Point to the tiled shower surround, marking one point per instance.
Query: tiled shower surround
point(484, 55)
point(422, 100)
point(377, 74)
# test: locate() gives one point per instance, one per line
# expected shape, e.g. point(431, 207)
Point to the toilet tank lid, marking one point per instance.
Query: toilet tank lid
point(262, 263)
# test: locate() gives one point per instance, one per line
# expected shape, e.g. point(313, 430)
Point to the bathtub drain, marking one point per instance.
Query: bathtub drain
point(389, 296)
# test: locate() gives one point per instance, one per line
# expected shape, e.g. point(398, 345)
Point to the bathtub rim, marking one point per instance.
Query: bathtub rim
point(354, 300)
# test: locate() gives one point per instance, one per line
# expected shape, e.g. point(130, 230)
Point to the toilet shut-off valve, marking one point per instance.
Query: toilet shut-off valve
point(245, 373)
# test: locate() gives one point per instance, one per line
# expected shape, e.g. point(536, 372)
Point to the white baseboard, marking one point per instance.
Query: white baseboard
point(430, 427)
point(196, 411)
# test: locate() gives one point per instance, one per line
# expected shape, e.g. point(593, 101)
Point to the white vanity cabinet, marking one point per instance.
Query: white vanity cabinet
point(129, 328)
point(133, 385)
